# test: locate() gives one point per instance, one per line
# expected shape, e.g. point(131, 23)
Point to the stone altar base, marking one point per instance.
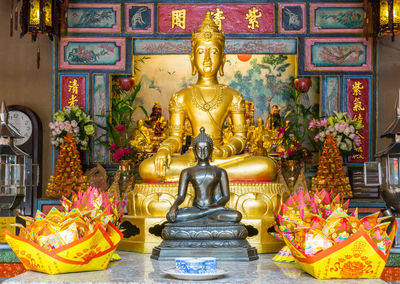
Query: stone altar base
point(142, 234)
point(225, 241)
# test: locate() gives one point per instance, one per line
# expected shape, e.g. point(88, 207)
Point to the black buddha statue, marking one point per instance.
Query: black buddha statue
point(211, 188)
point(207, 228)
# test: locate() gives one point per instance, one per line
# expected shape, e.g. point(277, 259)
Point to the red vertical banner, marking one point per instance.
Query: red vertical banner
point(73, 90)
point(232, 18)
point(357, 98)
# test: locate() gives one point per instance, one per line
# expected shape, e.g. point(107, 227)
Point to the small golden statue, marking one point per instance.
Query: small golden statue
point(274, 120)
point(157, 123)
point(228, 132)
point(273, 139)
point(249, 114)
point(207, 103)
point(142, 138)
point(258, 139)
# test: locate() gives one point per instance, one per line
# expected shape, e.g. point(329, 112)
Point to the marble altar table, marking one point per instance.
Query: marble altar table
point(139, 268)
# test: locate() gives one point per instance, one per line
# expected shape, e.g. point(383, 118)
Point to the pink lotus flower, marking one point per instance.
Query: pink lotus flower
point(120, 128)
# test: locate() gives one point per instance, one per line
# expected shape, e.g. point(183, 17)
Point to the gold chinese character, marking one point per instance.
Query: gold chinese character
point(72, 100)
point(359, 149)
point(252, 17)
point(357, 105)
point(357, 87)
point(178, 18)
point(218, 17)
point(357, 157)
point(359, 135)
point(73, 86)
point(358, 117)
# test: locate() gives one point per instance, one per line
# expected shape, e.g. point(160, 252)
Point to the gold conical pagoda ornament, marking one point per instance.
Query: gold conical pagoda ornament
point(68, 176)
point(330, 175)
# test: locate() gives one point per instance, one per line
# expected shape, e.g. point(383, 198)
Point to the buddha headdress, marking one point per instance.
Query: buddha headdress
point(208, 31)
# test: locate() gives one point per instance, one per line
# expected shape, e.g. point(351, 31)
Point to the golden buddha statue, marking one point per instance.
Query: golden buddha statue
point(207, 103)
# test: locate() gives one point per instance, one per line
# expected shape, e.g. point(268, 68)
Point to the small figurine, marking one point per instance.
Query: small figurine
point(228, 133)
point(211, 188)
point(156, 120)
point(142, 138)
point(259, 133)
point(274, 120)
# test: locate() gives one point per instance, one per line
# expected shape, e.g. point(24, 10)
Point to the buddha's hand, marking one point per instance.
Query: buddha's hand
point(162, 162)
point(171, 215)
point(221, 152)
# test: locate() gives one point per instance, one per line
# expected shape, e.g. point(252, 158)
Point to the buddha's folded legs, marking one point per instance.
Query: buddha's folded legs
point(219, 213)
point(240, 167)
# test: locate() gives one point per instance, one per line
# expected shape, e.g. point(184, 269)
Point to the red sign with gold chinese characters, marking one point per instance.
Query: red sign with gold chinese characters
point(73, 91)
point(232, 18)
point(357, 95)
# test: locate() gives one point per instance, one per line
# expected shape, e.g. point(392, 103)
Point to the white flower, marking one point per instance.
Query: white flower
point(74, 123)
point(346, 131)
point(352, 135)
point(352, 129)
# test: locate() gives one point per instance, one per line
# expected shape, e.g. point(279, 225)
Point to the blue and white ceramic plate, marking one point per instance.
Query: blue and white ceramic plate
point(190, 276)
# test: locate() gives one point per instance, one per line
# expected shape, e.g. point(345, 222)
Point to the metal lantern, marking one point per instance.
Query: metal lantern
point(37, 17)
point(16, 169)
point(41, 17)
point(386, 15)
point(390, 173)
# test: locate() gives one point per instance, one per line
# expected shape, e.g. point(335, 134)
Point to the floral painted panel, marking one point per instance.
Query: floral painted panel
point(232, 46)
point(263, 79)
point(92, 53)
point(96, 18)
point(292, 18)
point(99, 108)
point(342, 18)
point(334, 54)
point(139, 18)
point(332, 91)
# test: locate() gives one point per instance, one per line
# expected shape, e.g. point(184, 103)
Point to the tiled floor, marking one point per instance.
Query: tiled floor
point(139, 268)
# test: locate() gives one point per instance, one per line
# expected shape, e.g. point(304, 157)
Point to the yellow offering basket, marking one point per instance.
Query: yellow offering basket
point(92, 252)
point(356, 257)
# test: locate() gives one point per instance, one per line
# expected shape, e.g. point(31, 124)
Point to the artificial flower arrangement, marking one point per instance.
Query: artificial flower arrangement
point(82, 238)
point(295, 133)
point(329, 243)
point(72, 119)
point(342, 128)
point(290, 142)
point(119, 123)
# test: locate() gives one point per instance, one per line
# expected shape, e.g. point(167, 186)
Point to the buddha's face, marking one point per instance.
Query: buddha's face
point(203, 151)
point(207, 57)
